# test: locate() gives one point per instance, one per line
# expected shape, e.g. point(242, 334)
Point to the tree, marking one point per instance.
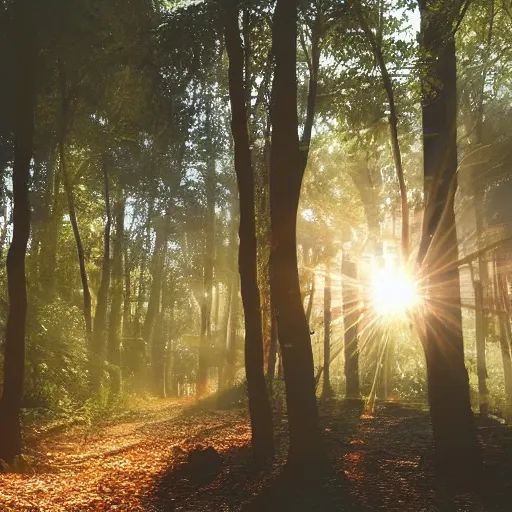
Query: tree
point(259, 403)
point(286, 172)
point(456, 447)
point(14, 359)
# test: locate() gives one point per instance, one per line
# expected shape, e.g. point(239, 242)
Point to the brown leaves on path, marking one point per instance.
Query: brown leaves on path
point(116, 468)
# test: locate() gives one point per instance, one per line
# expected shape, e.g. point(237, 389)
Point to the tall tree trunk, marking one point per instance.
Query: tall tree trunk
point(14, 351)
point(375, 42)
point(153, 332)
point(141, 295)
point(52, 227)
point(116, 302)
point(223, 335)
point(479, 200)
point(5, 213)
point(159, 341)
point(285, 184)
point(99, 335)
point(127, 300)
point(209, 248)
point(78, 241)
point(232, 335)
point(259, 403)
point(481, 366)
point(226, 377)
point(350, 324)
point(327, 390)
point(504, 338)
point(456, 446)
point(272, 358)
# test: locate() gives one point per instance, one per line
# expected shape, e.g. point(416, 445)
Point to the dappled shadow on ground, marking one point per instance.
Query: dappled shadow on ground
point(376, 463)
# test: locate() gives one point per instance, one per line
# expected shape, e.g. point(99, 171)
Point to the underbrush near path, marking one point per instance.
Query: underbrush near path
point(139, 463)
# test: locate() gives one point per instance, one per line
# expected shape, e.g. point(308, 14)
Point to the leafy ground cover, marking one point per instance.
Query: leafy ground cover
point(140, 463)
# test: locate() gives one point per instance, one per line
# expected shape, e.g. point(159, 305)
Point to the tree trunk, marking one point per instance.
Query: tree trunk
point(482, 289)
point(209, 248)
point(146, 249)
point(504, 323)
point(259, 403)
point(456, 446)
point(78, 241)
point(116, 302)
point(285, 184)
point(350, 324)
point(153, 332)
point(232, 336)
point(157, 268)
point(127, 300)
point(14, 350)
point(52, 228)
point(481, 366)
point(272, 359)
point(376, 46)
point(327, 390)
point(99, 335)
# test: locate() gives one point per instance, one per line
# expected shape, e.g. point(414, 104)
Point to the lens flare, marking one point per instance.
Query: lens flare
point(393, 293)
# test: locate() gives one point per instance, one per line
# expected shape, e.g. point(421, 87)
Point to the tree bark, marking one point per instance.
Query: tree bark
point(350, 324)
point(78, 241)
point(52, 227)
point(481, 366)
point(14, 351)
point(232, 335)
point(285, 183)
point(99, 334)
point(127, 300)
point(327, 390)
point(504, 338)
point(116, 303)
point(259, 403)
point(376, 46)
point(208, 260)
point(456, 447)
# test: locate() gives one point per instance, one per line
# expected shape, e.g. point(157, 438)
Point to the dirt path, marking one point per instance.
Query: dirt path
point(379, 463)
point(114, 469)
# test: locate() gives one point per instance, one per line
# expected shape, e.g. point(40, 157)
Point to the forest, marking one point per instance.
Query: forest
point(256, 255)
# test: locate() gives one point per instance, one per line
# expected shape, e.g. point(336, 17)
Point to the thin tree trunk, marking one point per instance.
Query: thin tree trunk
point(127, 302)
point(314, 67)
point(141, 296)
point(224, 333)
point(52, 228)
point(259, 403)
point(272, 359)
point(116, 303)
point(376, 46)
point(327, 390)
point(209, 248)
point(99, 335)
point(226, 376)
point(481, 366)
point(285, 183)
point(14, 349)
point(350, 323)
point(479, 201)
point(157, 268)
point(78, 241)
point(232, 336)
point(456, 447)
point(504, 338)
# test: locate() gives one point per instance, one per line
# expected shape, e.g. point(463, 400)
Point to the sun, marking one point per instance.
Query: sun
point(393, 293)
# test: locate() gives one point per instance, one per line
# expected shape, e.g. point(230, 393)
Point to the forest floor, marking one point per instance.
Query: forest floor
point(379, 463)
